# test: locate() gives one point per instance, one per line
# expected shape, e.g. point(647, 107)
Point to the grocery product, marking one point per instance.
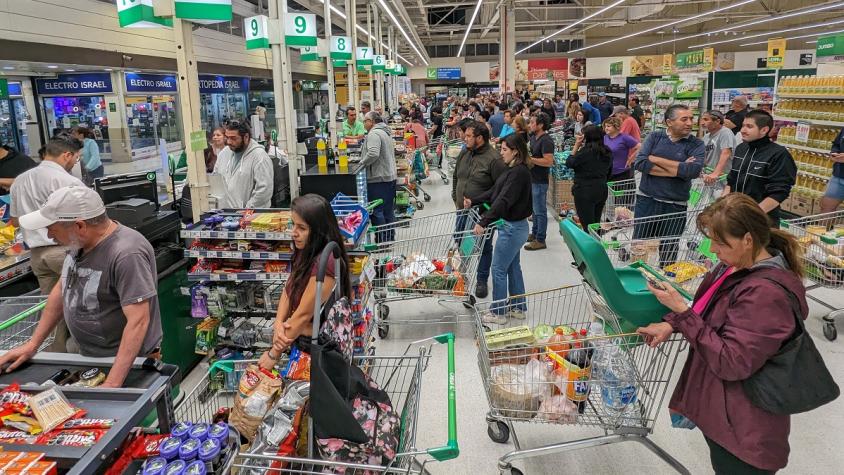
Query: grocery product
point(617, 376)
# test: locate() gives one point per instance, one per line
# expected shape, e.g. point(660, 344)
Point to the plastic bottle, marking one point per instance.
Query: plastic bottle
point(559, 342)
point(343, 152)
point(617, 378)
point(322, 157)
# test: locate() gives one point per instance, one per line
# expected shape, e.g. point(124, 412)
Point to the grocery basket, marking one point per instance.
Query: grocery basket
point(19, 317)
point(600, 378)
point(412, 258)
point(669, 245)
point(822, 238)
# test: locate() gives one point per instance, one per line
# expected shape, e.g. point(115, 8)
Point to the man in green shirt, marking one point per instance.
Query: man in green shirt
point(352, 128)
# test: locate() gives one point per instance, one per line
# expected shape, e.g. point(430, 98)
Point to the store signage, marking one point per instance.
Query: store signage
point(431, 73)
point(341, 48)
point(257, 33)
point(70, 84)
point(689, 60)
point(830, 47)
point(206, 12)
point(776, 53)
point(139, 14)
point(616, 68)
point(364, 56)
point(801, 134)
point(806, 59)
point(140, 82)
point(309, 53)
point(449, 73)
point(4, 89)
point(339, 63)
point(388, 69)
point(708, 59)
point(198, 141)
point(300, 29)
point(222, 84)
point(550, 69)
point(667, 63)
point(379, 62)
point(15, 89)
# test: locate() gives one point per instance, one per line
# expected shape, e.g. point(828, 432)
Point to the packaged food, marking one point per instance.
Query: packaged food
point(517, 390)
point(71, 438)
point(181, 430)
point(12, 398)
point(9, 437)
point(509, 336)
point(146, 445)
point(169, 449)
point(21, 422)
point(196, 468)
point(57, 378)
point(176, 467)
point(21, 461)
point(199, 431)
point(298, 366)
point(220, 432)
point(206, 335)
point(154, 466)
point(51, 408)
point(42, 467)
point(189, 449)
point(85, 423)
point(209, 452)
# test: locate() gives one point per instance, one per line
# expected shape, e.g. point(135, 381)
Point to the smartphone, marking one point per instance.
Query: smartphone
point(652, 280)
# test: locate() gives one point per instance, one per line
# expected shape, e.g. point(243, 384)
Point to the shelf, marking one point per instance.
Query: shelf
point(275, 256)
point(617, 94)
point(239, 276)
point(809, 96)
point(813, 175)
point(811, 121)
point(804, 147)
point(243, 235)
point(721, 103)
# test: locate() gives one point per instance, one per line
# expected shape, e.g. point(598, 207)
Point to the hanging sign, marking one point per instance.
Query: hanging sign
point(341, 48)
point(379, 62)
point(339, 63)
point(389, 67)
point(206, 12)
point(4, 89)
point(691, 60)
point(667, 63)
point(300, 29)
point(708, 59)
point(617, 68)
point(830, 48)
point(72, 84)
point(139, 14)
point(364, 56)
point(141, 82)
point(257, 33)
point(431, 73)
point(399, 70)
point(802, 133)
point(15, 89)
point(776, 53)
point(309, 53)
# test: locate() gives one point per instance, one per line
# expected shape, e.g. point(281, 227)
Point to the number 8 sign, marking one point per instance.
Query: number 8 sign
point(257, 35)
point(341, 47)
point(300, 29)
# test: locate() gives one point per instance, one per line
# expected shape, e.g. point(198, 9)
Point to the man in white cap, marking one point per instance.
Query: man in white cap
point(107, 292)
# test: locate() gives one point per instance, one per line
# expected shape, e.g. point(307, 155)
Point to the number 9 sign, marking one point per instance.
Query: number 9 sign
point(300, 29)
point(257, 36)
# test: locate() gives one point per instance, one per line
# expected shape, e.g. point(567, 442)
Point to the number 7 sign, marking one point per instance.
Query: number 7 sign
point(364, 56)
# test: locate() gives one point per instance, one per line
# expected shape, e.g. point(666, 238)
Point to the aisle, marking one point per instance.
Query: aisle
point(815, 436)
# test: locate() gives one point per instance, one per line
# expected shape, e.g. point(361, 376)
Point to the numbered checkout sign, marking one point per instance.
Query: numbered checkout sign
point(300, 29)
point(310, 53)
point(139, 14)
point(390, 67)
point(364, 56)
point(341, 48)
point(257, 34)
point(379, 62)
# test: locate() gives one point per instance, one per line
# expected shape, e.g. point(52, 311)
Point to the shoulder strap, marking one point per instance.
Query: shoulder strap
point(795, 305)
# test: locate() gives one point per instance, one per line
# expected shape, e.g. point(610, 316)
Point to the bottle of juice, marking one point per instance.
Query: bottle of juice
point(343, 153)
point(322, 157)
point(559, 342)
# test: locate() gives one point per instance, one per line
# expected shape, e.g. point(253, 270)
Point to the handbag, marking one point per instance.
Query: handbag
point(795, 379)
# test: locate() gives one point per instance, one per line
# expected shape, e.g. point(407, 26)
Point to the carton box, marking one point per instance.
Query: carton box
point(803, 206)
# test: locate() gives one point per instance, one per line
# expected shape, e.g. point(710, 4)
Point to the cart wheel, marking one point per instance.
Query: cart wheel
point(420, 205)
point(829, 331)
point(427, 197)
point(511, 471)
point(623, 255)
point(498, 432)
point(383, 312)
point(383, 331)
point(471, 302)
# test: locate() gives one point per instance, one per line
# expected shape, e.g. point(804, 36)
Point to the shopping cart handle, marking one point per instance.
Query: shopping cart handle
point(374, 204)
point(499, 222)
point(451, 449)
point(15, 319)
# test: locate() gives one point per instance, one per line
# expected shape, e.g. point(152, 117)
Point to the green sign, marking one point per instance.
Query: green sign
point(341, 48)
point(432, 73)
point(4, 89)
point(139, 14)
point(206, 12)
point(364, 55)
point(198, 142)
point(309, 53)
point(379, 63)
point(338, 63)
point(257, 36)
point(617, 68)
point(300, 29)
point(830, 46)
point(690, 60)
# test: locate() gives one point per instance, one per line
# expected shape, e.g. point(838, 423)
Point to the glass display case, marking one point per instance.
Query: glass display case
point(62, 113)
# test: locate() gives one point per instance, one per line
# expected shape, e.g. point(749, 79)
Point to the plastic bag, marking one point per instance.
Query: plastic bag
point(518, 390)
point(558, 409)
point(278, 426)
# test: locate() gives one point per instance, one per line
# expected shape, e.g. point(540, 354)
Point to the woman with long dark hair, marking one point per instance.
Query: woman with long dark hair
point(314, 226)
point(92, 166)
point(591, 161)
point(510, 201)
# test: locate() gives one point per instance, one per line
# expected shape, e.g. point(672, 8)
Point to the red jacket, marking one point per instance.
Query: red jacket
point(744, 324)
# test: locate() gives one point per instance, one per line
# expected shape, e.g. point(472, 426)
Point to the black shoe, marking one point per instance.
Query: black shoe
point(481, 290)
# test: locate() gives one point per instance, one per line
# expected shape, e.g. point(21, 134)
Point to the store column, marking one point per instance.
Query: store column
point(351, 31)
point(285, 115)
point(507, 49)
point(329, 69)
point(379, 77)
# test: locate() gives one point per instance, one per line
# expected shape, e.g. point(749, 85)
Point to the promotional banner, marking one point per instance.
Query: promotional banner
point(206, 12)
point(577, 67)
point(142, 82)
point(646, 65)
point(667, 63)
point(617, 68)
point(830, 49)
point(776, 53)
point(708, 59)
point(139, 14)
point(725, 61)
point(548, 69)
point(689, 61)
point(257, 34)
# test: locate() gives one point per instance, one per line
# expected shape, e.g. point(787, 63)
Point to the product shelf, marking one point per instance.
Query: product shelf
point(274, 256)
point(809, 96)
point(238, 276)
point(804, 147)
point(239, 235)
point(832, 123)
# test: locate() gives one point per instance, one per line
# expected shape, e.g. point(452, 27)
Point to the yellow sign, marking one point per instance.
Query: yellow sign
point(776, 53)
point(708, 59)
point(667, 63)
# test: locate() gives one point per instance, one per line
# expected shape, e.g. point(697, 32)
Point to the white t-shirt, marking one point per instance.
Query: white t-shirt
point(30, 191)
point(715, 144)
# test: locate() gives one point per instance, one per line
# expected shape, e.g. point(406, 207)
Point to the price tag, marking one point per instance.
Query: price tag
point(802, 133)
point(229, 254)
point(205, 234)
point(215, 277)
point(264, 255)
point(185, 291)
point(251, 235)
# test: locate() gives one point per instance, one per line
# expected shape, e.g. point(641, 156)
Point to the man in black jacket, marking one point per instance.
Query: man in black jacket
point(762, 169)
point(12, 164)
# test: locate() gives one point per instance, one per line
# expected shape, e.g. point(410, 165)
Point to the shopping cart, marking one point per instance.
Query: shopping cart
point(601, 378)
point(434, 155)
point(426, 257)
point(669, 245)
point(450, 151)
point(19, 317)
point(822, 238)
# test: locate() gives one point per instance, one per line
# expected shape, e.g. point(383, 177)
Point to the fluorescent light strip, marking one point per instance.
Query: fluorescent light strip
point(794, 37)
point(363, 30)
point(744, 25)
point(469, 27)
point(404, 33)
point(768, 33)
point(572, 25)
point(682, 20)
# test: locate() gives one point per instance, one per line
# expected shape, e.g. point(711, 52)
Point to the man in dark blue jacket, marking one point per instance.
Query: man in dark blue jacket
point(668, 160)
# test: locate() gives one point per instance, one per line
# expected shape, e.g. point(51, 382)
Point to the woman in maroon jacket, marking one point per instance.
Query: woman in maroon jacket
point(740, 317)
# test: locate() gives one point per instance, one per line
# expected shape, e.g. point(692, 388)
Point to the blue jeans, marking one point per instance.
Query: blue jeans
point(461, 226)
point(669, 227)
point(507, 268)
point(384, 214)
point(540, 210)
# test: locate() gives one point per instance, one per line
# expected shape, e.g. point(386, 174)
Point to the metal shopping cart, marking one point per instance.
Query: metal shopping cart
point(426, 257)
point(599, 378)
point(822, 238)
point(434, 154)
point(450, 151)
point(669, 245)
point(18, 318)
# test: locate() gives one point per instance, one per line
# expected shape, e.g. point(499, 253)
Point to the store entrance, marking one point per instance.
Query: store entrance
point(150, 119)
point(220, 108)
point(63, 113)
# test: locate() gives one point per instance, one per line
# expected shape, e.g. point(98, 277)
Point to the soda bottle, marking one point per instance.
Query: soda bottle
point(322, 157)
point(344, 156)
point(559, 342)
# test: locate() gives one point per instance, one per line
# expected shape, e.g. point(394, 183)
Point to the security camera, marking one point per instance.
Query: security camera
point(126, 57)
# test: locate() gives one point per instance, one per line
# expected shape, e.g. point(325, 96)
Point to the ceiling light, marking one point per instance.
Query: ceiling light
point(468, 27)
point(8, 68)
point(108, 69)
point(682, 20)
point(404, 33)
point(569, 26)
point(795, 37)
point(743, 25)
point(70, 70)
point(363, 30)
point(52, 66)
point(768, 33)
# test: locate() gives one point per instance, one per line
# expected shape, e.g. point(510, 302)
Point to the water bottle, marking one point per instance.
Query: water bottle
point(617, 379)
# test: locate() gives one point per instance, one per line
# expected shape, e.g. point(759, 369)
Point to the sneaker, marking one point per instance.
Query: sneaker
point(481, 290)
point(531, 238)
point(493, 318)
point(517, 314)
point(535, 246)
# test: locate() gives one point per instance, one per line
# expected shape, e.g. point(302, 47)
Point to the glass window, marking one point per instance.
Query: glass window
point(62, 113)
point(220, 108)
point(150, 119)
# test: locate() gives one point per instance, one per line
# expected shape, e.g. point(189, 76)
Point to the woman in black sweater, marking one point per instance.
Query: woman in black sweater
point(510, 202)
point(591, 161)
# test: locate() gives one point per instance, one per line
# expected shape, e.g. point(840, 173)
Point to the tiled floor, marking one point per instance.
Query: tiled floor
point(816, 438)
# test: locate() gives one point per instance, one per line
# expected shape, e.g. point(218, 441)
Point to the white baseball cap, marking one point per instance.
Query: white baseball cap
point(68, 204)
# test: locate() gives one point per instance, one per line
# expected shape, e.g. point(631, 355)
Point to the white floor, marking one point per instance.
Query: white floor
point(816, 438)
